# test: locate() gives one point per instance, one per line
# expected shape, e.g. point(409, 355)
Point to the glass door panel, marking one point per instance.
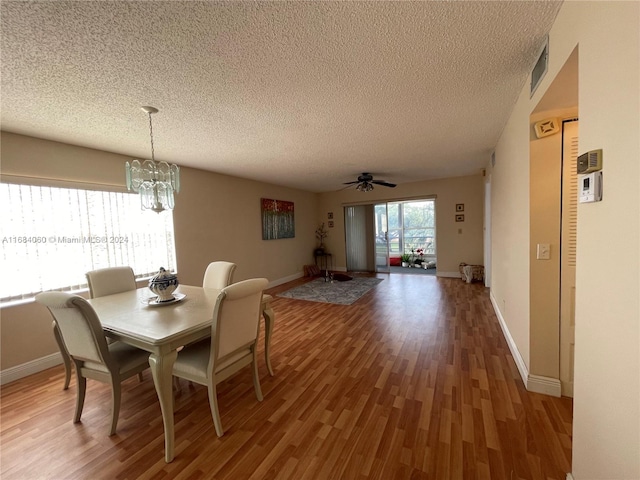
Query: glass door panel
point(381, 238)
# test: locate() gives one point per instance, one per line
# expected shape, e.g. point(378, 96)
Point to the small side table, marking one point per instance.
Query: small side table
point(324, 260)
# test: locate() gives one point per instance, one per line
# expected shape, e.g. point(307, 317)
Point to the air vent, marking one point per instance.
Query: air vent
point(540, 69)
point(547, 127)
point(590, 162)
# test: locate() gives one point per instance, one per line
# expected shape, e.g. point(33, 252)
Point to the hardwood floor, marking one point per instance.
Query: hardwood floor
point(413, 381)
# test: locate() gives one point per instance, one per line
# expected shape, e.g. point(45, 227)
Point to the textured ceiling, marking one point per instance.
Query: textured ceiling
point(301, 94)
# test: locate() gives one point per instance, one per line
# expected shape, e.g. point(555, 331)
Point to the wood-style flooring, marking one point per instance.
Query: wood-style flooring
point(413, 381)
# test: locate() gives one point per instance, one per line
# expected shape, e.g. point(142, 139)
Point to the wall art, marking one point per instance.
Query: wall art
point(277, 219)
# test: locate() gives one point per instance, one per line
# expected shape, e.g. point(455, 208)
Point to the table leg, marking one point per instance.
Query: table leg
point(162, 369)
point(269, 319)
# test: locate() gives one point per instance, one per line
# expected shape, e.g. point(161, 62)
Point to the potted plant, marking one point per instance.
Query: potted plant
point(321, 234)
point(420, 253)
point(405, 258)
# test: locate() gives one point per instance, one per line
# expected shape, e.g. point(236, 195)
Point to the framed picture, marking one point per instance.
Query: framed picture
point(459, 207)
point(277, 219)
point(459, 218)
point(330, 223)
point(330, 215)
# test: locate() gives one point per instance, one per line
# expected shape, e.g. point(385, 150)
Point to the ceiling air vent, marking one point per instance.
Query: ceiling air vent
point(540, 68)
point(547, 127)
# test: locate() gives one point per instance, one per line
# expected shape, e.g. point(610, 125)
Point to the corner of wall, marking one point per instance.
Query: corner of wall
point(533, 383)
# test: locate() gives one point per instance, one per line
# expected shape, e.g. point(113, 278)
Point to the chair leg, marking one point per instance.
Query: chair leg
point(65, 356)
point(256, 377)
point(115, 405)
point(140, 377)
point(82, 388)
point(213, 403)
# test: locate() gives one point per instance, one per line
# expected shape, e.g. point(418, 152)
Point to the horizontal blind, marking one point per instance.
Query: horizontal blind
point(52, 236)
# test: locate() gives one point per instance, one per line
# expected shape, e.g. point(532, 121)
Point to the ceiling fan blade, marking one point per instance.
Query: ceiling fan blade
point(351, 183)
point(383, 183)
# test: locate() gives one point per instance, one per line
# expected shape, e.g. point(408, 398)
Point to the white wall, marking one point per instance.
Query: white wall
point(606, 436)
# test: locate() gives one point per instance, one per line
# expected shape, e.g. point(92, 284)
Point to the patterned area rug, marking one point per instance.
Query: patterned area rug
point(341, 293)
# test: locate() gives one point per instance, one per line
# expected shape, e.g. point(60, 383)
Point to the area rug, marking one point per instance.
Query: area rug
point(341, 293)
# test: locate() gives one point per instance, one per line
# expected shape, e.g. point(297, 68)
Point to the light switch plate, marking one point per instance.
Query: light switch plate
point(543, 251)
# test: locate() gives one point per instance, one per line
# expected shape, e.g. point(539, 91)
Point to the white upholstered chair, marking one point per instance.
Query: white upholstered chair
point(102, 282)
point(218, 275)
point(232, 346)
point(108, 281)
point(84, 341)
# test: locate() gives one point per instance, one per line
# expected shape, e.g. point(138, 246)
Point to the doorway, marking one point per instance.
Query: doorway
point(405, 236)
point(568, 241)
point(377, 236)
point(552, 217)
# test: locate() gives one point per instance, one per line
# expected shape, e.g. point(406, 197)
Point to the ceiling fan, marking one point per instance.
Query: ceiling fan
point(365, 183)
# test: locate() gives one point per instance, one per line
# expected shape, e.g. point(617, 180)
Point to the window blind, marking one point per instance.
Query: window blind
point(52, 236)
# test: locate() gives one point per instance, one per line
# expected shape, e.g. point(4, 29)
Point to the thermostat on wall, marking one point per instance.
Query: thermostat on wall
point(590, 187)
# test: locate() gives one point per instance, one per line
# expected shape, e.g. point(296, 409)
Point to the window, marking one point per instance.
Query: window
point(52, 236)
point(411, 225)
point(419, 226)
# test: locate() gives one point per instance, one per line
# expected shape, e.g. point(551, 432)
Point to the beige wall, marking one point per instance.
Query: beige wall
point(452, 247)
point(216, 217)
point(606, 435)
point(545, 190)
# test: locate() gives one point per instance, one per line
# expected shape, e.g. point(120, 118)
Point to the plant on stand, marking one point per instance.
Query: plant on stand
point(321, 234)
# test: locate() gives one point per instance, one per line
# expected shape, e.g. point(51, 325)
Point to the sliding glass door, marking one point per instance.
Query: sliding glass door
point(381, 238)
point(404, 228)
point(378, 235)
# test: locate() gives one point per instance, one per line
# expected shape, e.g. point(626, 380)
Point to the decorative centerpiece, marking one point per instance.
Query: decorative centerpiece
point(163, 284)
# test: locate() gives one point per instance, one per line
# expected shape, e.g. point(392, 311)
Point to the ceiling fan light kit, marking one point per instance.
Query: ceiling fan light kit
point(365, 183)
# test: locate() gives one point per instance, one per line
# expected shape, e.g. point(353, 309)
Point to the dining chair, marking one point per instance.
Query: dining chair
point(218, 275)
point(232, 346)
point(84, 341)
point(108, 281)
point(102, 282)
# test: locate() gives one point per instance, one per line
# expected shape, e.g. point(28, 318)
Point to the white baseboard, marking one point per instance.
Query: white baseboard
point(20, 371)
point(547, 385)
point(515, 353)
point(569, 476)
point(440, 273)
point(290, 278)
point(533, 383)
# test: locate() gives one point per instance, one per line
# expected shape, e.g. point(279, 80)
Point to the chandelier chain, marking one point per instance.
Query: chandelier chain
point(151, 134)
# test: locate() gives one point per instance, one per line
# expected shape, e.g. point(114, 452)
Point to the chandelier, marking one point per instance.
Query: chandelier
point(364, 186)
point(156, 182)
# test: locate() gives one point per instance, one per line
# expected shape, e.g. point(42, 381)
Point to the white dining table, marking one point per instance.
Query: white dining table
point(162, 329)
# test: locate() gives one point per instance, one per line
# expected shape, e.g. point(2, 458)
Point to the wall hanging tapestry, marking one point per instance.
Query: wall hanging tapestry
point(277, 219)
